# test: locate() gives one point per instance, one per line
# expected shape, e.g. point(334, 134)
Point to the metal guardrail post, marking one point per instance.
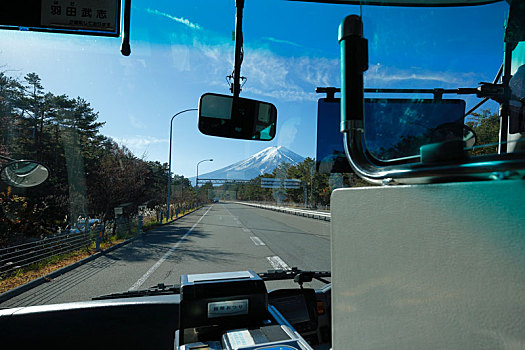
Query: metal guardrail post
point(98, 241)
point(139, 228)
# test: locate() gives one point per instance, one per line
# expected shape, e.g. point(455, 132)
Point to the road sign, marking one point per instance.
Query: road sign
point(267, 182)
point(292, 183)
point(280, 183)
point(87, 17)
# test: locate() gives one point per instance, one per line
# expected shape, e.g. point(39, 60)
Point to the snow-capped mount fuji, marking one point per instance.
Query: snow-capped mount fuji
point(262, 162)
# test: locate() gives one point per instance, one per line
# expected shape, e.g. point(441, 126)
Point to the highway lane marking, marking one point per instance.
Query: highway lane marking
point(257, 240)
point(165, 256)
point(277, 263)
point(245, 229)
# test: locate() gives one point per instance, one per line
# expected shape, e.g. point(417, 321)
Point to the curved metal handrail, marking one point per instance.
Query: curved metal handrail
point(459, 167)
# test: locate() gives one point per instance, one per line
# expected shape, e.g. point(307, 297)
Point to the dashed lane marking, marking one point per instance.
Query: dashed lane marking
point(257, 240)
point(277, 263)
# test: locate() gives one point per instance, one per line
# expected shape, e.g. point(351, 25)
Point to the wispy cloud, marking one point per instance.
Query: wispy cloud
point(180, 20)
point(380, 74)
point(294, 79)
point(280, 41)
point(138, 142)
point(269, 74)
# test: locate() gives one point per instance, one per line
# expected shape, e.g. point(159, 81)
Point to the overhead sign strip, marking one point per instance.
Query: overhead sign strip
point(86, 17)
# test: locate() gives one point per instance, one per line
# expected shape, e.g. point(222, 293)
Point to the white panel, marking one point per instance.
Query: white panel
point(431, 266)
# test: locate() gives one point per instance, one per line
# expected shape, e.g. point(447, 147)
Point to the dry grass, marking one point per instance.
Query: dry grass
point(37, 270)
point(54, 263)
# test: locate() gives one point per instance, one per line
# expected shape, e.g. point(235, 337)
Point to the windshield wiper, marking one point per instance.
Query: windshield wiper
point(160, 289)
point(299, 276)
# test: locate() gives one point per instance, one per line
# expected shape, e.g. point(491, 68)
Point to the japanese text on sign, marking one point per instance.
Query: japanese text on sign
point(98, 15)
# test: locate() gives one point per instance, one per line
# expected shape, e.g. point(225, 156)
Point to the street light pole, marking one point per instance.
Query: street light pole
point(197, 180)
point(311, 184)
point(169, 167)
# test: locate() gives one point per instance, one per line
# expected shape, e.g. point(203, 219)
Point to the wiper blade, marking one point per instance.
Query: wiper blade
point(299, 276)
point(160, 289)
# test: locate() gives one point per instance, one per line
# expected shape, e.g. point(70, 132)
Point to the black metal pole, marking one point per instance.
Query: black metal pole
point(125, 48)
point(504, 109)
point(236, 88)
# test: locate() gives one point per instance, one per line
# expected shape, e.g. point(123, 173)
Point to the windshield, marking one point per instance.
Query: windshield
point(101, 123)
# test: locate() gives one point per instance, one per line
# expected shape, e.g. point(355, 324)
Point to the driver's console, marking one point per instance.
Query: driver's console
point(233, 310)
point(230, 310)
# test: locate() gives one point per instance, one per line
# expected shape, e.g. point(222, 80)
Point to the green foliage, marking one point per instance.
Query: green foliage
point(206, 193)
point(90, 173)
point(486, 126)
point(318, 186)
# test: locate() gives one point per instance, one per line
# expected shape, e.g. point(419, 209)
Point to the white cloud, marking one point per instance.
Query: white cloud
point(280, 41)
point(180, 20)
point(294, 79)
point(269, 74)
point(138, 143)
point(378, 74)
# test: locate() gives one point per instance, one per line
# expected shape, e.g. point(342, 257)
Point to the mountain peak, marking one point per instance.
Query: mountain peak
point(262, 162)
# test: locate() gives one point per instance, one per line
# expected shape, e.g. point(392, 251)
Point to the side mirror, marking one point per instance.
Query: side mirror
point(24, 173)
point(237, 117)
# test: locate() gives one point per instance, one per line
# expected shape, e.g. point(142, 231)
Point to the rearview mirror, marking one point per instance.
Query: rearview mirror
point(237, 117)
point(24, 173)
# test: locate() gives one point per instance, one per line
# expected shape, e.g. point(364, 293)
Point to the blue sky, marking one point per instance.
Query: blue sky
point(182, 49)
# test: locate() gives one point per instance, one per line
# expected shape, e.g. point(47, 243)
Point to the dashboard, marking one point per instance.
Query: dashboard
point(307, 311)
point(289, 316)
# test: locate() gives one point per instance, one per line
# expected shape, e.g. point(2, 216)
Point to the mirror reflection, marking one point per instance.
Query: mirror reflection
point(237, 117)
point(395, 129)
point(23, 173)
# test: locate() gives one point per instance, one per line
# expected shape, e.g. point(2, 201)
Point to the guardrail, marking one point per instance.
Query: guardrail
point(19, 256)
point(16, 257)
point(300, 212)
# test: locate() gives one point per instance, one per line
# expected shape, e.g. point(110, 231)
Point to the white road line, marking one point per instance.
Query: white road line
point(257, 240)
point(277, 263)
point(165, 256)
point(245, 229)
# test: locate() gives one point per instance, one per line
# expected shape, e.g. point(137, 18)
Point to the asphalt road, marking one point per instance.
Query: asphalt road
point(216, 238)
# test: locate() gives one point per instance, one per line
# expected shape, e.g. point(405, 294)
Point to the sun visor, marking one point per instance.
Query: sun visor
point(330, 153)
point(395, 129)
